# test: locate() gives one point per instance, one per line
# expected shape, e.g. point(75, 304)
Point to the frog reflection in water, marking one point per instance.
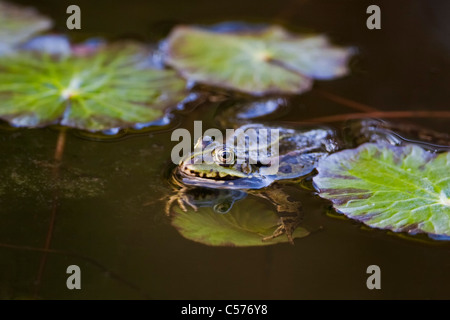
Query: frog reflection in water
point(235, 164)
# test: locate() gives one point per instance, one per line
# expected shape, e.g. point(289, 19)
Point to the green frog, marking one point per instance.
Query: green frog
point(239, 166)
point(242, 162)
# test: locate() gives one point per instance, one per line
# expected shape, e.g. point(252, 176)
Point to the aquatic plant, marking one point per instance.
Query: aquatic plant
point(399, 188)
point(267, 61)
point(106, 89)
point(245, 225)
point(18, 24)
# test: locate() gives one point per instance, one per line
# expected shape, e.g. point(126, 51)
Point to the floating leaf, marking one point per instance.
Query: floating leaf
point(18, 24)
point(403, 189)
point(264, 62)
point(244, 225)
point(104, 90)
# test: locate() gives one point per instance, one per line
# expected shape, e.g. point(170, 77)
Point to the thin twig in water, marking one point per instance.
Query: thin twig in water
point(59, 151)
point(94, 262)
point(346, 102)
point(379, 114)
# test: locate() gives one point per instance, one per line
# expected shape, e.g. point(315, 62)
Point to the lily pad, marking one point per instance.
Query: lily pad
point(107, 89)
point(18, 24)
point(244, 225)
point(269, 61)
point(403, 189)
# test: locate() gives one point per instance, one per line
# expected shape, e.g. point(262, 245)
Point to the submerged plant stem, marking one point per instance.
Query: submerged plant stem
point(346, 102)
point(61, 142)
point(92, 261)
point(59, 151)
point(382, 114)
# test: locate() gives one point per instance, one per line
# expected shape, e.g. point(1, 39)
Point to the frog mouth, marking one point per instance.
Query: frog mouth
point(226, 178)
point(208, 175)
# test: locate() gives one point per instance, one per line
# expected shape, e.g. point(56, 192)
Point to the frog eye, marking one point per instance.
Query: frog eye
point(222, 208)
point(224, 155)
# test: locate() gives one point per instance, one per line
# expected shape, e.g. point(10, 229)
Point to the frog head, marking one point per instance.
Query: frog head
point(245, 162)
point(217, 165)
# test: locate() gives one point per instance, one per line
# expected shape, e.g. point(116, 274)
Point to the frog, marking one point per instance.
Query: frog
point(231, 168)
point(233, 164)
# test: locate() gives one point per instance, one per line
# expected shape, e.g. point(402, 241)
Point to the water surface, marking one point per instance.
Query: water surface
point(127, 250)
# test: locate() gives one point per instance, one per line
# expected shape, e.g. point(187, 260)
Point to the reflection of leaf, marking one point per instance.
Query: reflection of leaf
point(269, 61)
point(245, 225)
point(17, 24)
point(395, 188)
point(97, 92)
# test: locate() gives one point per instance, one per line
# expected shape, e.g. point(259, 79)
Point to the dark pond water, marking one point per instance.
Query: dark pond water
point(97, 218)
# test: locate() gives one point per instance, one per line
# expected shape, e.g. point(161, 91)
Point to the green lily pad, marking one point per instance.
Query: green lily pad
point(244, 225)
point(18, 24)
point(111, 88)
point(403, 189)
point(264, 62)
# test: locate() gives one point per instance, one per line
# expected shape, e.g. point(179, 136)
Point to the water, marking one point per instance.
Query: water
point(129, 250)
